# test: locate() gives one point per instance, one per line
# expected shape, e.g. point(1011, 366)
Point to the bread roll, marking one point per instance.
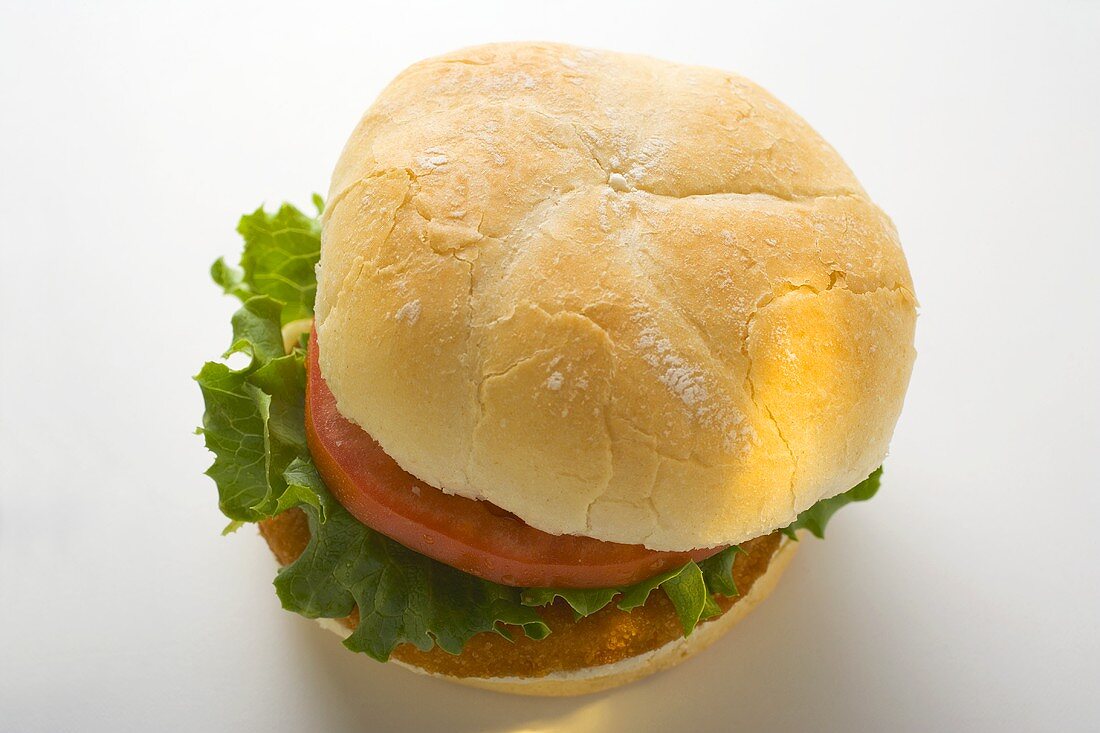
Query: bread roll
point(617, 297)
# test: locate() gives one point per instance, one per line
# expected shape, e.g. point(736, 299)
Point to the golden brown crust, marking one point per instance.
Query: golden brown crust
point(618, 297)
point(287, 535)
point(606, 637)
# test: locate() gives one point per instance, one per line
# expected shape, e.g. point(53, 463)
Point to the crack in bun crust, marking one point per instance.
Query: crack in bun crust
point(617, 297)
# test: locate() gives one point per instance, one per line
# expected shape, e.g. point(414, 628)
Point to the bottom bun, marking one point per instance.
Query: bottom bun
point(603, 677)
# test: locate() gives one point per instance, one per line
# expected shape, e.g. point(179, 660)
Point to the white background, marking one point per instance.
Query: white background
point(966, 596)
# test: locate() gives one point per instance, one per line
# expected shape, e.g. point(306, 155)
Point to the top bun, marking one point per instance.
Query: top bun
point(618, 297)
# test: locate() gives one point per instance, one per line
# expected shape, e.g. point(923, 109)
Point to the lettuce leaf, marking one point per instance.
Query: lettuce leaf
point(255, 417)
point(280, 257)
point(402, 595)
point(816, 517)
point(690, 587)
point(254, 424)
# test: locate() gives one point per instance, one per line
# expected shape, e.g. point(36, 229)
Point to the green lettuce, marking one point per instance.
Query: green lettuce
point(254, 425)
point(690, 587)
point(816, 517)
point(280, 257)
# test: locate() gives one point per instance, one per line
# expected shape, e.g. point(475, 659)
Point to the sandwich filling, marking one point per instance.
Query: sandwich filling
point(414, 569)
point(607, 636)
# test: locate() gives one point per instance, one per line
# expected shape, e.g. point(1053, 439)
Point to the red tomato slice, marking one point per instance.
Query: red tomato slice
point(473, 536)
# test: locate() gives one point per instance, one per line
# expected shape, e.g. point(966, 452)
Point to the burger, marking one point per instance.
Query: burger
point(578, 346)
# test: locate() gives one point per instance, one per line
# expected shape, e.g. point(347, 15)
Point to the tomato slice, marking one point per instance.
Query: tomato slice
point(476, 537)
